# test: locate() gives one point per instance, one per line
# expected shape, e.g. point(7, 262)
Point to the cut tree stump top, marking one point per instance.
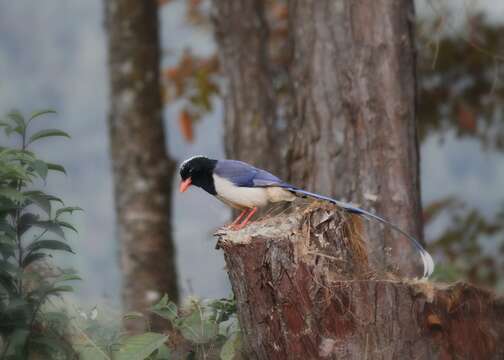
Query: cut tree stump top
point(308, 286)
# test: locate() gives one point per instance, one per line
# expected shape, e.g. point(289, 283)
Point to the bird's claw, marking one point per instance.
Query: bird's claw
point(232, 227)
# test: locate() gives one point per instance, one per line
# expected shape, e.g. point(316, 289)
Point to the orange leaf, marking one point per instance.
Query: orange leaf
point(186, 126)
point(171, 73)
point(280, 11)
point(466, 118)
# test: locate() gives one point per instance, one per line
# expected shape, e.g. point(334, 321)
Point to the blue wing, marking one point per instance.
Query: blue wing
point(245, 175)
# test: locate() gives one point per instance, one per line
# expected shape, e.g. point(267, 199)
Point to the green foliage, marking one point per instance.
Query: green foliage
point(461, 94)
point(199, 330)
point(30, 230)
point(459, 85)
point(208, 329)
point(140, 347)
point(464, 243)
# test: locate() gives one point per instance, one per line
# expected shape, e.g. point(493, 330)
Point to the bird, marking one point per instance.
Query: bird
point(247, 188)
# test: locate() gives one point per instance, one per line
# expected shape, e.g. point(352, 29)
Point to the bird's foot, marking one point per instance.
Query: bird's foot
point(229, 226)
point(236, 227)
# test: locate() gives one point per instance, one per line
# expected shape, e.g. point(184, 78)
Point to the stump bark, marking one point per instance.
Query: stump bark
point(308, 287)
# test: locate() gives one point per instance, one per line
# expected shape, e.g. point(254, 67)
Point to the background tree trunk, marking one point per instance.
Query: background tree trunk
point(338, 116)
point(142, 170)
point(306, 288)
point(251, 122)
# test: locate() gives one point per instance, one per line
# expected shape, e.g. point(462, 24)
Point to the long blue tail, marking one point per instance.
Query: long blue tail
point(427, 261)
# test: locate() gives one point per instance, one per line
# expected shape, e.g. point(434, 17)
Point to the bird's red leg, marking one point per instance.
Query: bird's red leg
point(247, 219)
point(233, 224)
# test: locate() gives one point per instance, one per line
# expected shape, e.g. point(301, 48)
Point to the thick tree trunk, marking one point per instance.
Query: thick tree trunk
point(251, 122)
point(339, 116)
point(142, 170)
point(354, 83)
point(306, 288)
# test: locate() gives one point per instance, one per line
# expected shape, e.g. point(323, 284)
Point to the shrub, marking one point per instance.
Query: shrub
point(31, 228)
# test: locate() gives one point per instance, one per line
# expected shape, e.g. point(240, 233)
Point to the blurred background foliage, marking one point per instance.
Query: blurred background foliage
point(461, 92)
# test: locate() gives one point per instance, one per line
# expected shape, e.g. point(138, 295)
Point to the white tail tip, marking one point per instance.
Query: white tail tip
point(428, 264)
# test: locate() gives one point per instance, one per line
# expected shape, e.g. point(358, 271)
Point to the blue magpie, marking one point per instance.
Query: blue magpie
point(247, 188)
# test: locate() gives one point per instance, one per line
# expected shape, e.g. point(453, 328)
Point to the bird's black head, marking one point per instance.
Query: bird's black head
point(198, 170)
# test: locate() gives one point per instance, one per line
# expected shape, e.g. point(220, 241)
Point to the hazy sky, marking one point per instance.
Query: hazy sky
point(52, 54)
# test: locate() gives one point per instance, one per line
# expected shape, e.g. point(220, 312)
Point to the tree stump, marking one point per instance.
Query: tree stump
point(308, 286)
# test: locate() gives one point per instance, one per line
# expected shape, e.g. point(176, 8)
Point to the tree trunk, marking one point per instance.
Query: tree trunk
point(142, 170)
point(251, 122)
point(339, 116)
point(354, 84)
point(306, 288)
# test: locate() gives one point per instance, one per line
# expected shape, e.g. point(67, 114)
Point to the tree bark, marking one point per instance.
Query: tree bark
point(142, 169)
point(306, 288)
point(338, 117)
point(354, 85)
point(251, 123)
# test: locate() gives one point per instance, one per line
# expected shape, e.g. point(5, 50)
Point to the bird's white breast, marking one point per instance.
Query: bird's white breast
point(248, 197)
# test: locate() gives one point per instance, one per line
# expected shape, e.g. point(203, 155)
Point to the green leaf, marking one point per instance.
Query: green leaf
point(62, 288)
point(12, 194)
point(40, 168)
point(163, 353)
point(55, 198)
point(68, 209)
point(56, 167)
point(40, 199)
point(68, 277)
point(229, 326)
point(168, 312)
point(47, 133)
point(165, 308)
point(7, 248)
point(8, 283)
point(51, 226)
point(8, 267)
point(67, 225)
point(37, 114)
point(55, 317)
point(133, 315)
point(17, 341)
point(139, 347)
point(46, 289)
point(7, 230)
point(8, 130)
point(198, 330)
point(26, 221)
point(231, 347)
point(49, 245)
point(19, 120)
point(7, 206)
point(53, 345)
point(90, 352)
point(31, 258)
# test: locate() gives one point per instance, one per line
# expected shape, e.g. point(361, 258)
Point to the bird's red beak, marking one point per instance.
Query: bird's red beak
point(184, 185)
